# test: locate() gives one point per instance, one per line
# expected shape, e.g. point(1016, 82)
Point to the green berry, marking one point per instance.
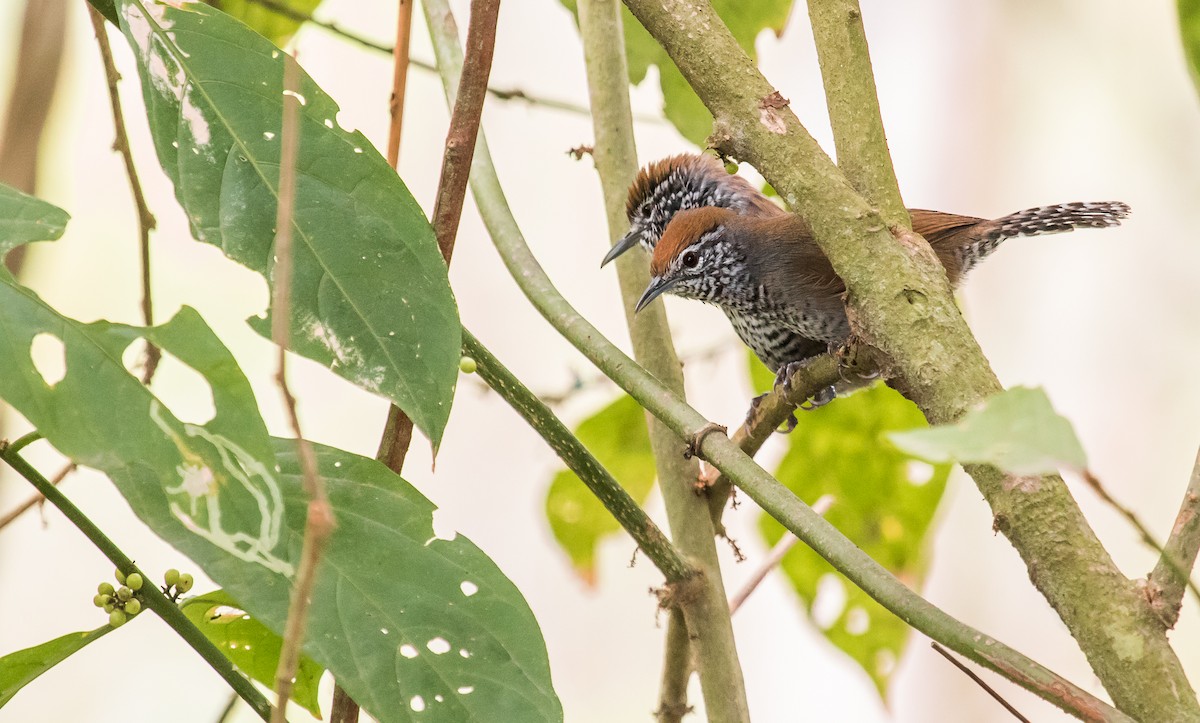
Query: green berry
point(124, 593)
point(134, 582)
point(467, 365)
point(185, 583)
point(133, 607)
point(171, 577)
point(109, 606)
point(120, 576)
point(101, 600)
point(116, 618)
point(105, 589)
point(731, 167)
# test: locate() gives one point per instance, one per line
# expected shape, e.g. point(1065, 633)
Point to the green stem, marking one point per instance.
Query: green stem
point(20, 443)
point(853, 102)
point(153, 598)
point(708, 624)
point(579, 460)
point(899, 301)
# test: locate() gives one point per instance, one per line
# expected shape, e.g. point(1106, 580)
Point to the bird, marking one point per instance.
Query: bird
point(690, 181)
point(768, 273)
point(760, 265)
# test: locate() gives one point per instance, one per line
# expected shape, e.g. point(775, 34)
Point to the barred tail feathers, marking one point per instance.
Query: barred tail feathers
point(1045, 220)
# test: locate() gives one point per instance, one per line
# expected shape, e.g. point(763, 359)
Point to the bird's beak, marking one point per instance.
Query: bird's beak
point(658, 286)
point(620, 247)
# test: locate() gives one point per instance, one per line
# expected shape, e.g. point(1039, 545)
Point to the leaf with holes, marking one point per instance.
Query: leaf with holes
point(22, 667)
point(746, 19)
point(1016, 430)
point(414, 627)
point(250, 645)
point(370, 295)
point(24, 218)
point(618, 438)
point(276, 26)
point(883, 500)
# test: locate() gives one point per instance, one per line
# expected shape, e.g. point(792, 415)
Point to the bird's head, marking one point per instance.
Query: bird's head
point(695, 256)
point(679, 183)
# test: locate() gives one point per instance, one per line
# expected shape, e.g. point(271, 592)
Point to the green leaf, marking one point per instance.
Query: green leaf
point(618, 438)
point(1016, 430)
point(271, 24)
point(250, 645)
point(884, 501)
point(19, 669)
point(370, 295)
point(746, 20)
point(1189, 29)
point(24, 218)
point(387, 586)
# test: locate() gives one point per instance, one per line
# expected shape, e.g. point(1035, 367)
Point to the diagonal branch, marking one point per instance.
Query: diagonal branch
point(649, 538)
point(899, 301)
point(1172, 574)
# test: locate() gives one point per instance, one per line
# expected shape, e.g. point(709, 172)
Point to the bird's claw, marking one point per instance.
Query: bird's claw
point(820, 399)
point(693, 446)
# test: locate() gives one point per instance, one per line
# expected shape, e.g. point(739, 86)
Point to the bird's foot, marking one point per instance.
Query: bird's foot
point(752, 415)
point(820, 399)
point(847, 355)
point(693, 446)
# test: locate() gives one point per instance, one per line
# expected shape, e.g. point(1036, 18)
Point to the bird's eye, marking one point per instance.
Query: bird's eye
point(691, 259)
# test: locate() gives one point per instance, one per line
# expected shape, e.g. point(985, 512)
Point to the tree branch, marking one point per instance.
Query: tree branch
point(649, 538)
point(153, 598)
point(899, 300)
point(853, 102)
point(709, 627)
point(146, 220)
point(1172, 574)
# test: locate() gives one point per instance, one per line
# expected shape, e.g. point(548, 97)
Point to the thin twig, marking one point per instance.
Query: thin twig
point(146, 221)
point(774, 557)
point(38, 498)
point(979, 681)
point(1179, 553)
point(398, 429)
point(319, 522)
point(464, 123)
point(513, 94)
point(151, 596)
point(1171, 565)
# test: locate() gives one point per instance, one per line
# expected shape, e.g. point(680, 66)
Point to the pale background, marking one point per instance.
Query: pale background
point(990, 106)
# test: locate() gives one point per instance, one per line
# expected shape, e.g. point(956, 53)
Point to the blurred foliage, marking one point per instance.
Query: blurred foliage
point(1016, 430)
point(271, 24)
point(618, 437)
point(884, 501)
point(1189, 29)
point(745, 18)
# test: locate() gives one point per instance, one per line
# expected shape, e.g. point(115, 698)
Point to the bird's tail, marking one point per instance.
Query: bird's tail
point(1046, 220)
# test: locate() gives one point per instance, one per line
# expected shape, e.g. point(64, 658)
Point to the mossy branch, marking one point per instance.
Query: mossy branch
point(899, 301)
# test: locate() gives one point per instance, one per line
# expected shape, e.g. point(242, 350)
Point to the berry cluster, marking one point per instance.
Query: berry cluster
point(120, 603)
point(177, 583)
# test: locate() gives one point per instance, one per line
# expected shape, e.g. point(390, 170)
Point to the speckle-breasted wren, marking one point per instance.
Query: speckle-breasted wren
point(716, 238)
